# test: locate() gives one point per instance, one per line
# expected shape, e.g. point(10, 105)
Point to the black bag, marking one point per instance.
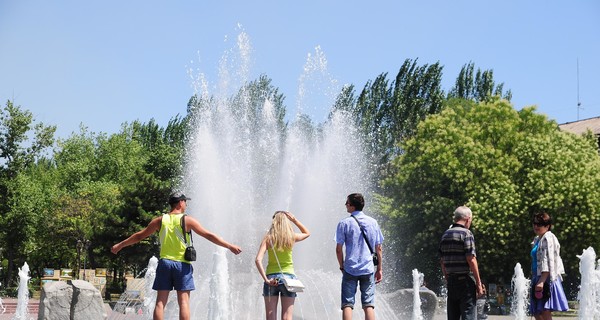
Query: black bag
point(374, 254)
point(190, 254)
point(190, 251)
point(545, 291)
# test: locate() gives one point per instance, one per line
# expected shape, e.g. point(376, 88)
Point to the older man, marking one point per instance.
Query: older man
point(459, 266)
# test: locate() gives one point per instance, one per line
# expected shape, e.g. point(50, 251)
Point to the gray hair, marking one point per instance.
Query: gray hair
point(462, 213)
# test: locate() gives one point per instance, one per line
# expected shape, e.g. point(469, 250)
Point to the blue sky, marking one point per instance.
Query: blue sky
point(103, 63)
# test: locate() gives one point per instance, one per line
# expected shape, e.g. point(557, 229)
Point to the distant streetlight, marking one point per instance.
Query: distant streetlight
point(82, 247)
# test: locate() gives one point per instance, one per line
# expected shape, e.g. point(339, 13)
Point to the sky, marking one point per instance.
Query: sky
point(103, 63)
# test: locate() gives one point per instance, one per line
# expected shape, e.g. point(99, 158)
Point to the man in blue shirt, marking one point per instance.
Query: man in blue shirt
point(358, 267)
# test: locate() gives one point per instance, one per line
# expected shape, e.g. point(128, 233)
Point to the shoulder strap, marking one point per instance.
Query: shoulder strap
point(275, 254)
point(182, 223)
point(363, 234)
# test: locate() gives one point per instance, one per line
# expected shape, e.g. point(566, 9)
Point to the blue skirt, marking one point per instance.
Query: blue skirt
point(556, 302)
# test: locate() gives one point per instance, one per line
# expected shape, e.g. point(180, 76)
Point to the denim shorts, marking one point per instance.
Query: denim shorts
point(367, 290)
point(280, 289)
point(174, 275)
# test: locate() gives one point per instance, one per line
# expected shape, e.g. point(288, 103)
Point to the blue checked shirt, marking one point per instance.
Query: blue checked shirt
point(358, 260)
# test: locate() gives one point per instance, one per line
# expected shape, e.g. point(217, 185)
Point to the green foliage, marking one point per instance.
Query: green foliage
point(96, 187)
point(388, 112)
point(15, 146)
point(22, 143)
point(506, 165)
point(478, 86)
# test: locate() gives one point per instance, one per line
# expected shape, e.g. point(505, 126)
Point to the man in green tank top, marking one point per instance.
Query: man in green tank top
point(173, 271)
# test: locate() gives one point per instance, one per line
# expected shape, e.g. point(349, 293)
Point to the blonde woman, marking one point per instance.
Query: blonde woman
point(279, 241)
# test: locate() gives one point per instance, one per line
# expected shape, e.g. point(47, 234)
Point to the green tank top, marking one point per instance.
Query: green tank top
point(285, 259)
point(172, 243)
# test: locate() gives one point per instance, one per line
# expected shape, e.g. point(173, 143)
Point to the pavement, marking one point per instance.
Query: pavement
point(32, 316)
point(443, 317)
point(437, 317)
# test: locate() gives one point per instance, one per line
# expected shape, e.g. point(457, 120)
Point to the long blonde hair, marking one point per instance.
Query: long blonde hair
point(281, 232)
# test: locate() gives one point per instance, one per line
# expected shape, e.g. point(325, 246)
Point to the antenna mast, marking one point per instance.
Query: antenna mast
point(578, 101)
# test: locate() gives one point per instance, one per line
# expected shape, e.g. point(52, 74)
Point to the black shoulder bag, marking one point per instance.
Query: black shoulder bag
point(375, 258)
point(190, 251)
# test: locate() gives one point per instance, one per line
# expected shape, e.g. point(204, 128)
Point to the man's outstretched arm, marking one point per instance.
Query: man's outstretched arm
point(152, 227)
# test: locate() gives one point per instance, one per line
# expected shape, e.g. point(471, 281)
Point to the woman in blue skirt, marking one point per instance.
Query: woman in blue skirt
point(547, 292)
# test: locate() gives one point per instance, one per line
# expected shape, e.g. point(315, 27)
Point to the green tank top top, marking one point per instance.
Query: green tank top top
point(285, 260)
point(172, 243)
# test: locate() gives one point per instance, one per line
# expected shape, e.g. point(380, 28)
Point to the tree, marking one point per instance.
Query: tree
point(110, 186)
point(87, 192)
point(17, 152)
point(33, 191)
point(506, 165)
point(387, 113)
point(480, 87)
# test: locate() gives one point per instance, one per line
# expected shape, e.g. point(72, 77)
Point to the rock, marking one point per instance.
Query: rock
point(402, 303)
point(55, 301)
point(87, 301)
point(74, 300)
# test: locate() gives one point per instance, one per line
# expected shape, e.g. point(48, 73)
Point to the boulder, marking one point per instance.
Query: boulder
point(73, 300)
point(402, 303)
point(87, 302)
point(55, 301)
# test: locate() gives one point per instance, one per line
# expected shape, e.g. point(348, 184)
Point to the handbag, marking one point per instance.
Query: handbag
point(545, 291)
point(291, 285)
point(373, 254)
point(190, 251)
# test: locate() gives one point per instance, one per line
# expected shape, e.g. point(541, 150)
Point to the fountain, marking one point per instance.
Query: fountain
point(589, 292)
point(243, 164)
point(23, 295)
point(149, 294)
point(140, 289)
point(520, 294)
point(417, 283)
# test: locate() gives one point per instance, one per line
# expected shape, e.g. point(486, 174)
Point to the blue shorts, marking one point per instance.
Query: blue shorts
point(367, 290)
point(174, 275)
point(269, 291)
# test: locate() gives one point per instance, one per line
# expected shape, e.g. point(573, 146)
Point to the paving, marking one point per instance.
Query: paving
point(10, 305)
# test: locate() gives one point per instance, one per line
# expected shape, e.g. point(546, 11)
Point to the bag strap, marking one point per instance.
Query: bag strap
point(182, 223)
point(363, 233)
point(275, 254)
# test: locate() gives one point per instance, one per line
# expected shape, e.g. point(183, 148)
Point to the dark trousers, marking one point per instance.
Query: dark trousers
point(462, 298)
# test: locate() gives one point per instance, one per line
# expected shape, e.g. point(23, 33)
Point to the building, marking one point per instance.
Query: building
point(581, 126)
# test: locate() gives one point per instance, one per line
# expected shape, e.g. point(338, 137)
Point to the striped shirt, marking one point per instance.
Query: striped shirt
point(457, 243)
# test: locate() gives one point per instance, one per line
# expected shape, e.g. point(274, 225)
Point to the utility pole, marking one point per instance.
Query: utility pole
point(578, 101)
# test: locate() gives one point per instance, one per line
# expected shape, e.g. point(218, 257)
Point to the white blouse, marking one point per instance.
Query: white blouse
point(548, 256)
